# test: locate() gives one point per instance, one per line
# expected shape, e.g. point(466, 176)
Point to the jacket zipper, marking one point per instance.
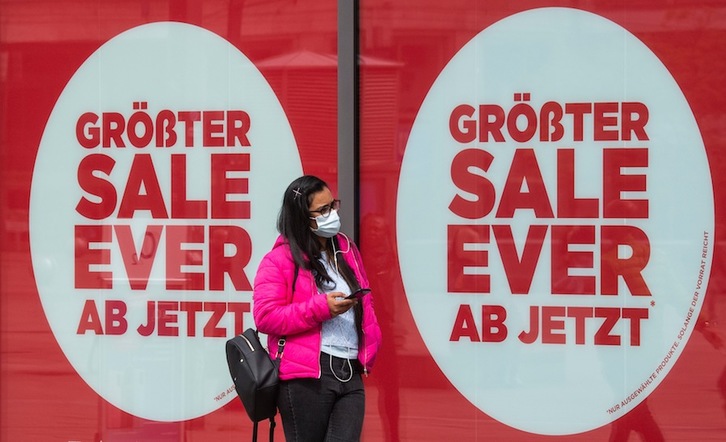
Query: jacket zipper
point(365, 352)
point(363, 334)
point(320, 349)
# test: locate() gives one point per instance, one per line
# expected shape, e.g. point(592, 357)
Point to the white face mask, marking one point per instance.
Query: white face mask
point(327, 227)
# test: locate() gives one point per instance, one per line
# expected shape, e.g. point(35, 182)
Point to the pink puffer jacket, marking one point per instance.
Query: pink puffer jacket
point(297, 314)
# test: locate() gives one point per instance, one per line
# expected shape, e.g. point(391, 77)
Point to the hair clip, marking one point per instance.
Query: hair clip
point(297, 192)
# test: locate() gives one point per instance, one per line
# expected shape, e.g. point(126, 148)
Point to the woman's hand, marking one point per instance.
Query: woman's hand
point(338, 304)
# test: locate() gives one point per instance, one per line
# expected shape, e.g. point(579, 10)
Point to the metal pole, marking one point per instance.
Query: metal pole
point(348, 142)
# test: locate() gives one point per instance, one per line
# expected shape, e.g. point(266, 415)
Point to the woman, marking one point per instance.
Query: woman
point(299, 297)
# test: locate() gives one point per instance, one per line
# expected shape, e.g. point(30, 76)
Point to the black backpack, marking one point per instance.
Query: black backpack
point(255, 377)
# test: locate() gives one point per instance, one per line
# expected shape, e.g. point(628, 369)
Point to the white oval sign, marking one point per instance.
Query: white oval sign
point(555, 221)
point(154, 196)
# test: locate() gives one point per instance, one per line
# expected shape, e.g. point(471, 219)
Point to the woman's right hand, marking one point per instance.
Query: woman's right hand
point(338, 304)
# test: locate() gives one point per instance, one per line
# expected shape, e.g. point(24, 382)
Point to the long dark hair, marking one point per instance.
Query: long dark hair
point(293, 223)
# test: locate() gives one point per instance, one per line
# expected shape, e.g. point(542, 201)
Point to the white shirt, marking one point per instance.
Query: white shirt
point(339, 336)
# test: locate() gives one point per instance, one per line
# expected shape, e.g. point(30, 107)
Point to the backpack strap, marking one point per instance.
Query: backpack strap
point(272, 428)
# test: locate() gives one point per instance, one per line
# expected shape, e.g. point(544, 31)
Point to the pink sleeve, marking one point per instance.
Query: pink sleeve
point(276, 310)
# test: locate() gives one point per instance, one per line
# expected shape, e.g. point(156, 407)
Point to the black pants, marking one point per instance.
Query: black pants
point(325, 409)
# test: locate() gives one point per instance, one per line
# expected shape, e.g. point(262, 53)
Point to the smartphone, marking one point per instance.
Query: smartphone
point(358, 294)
